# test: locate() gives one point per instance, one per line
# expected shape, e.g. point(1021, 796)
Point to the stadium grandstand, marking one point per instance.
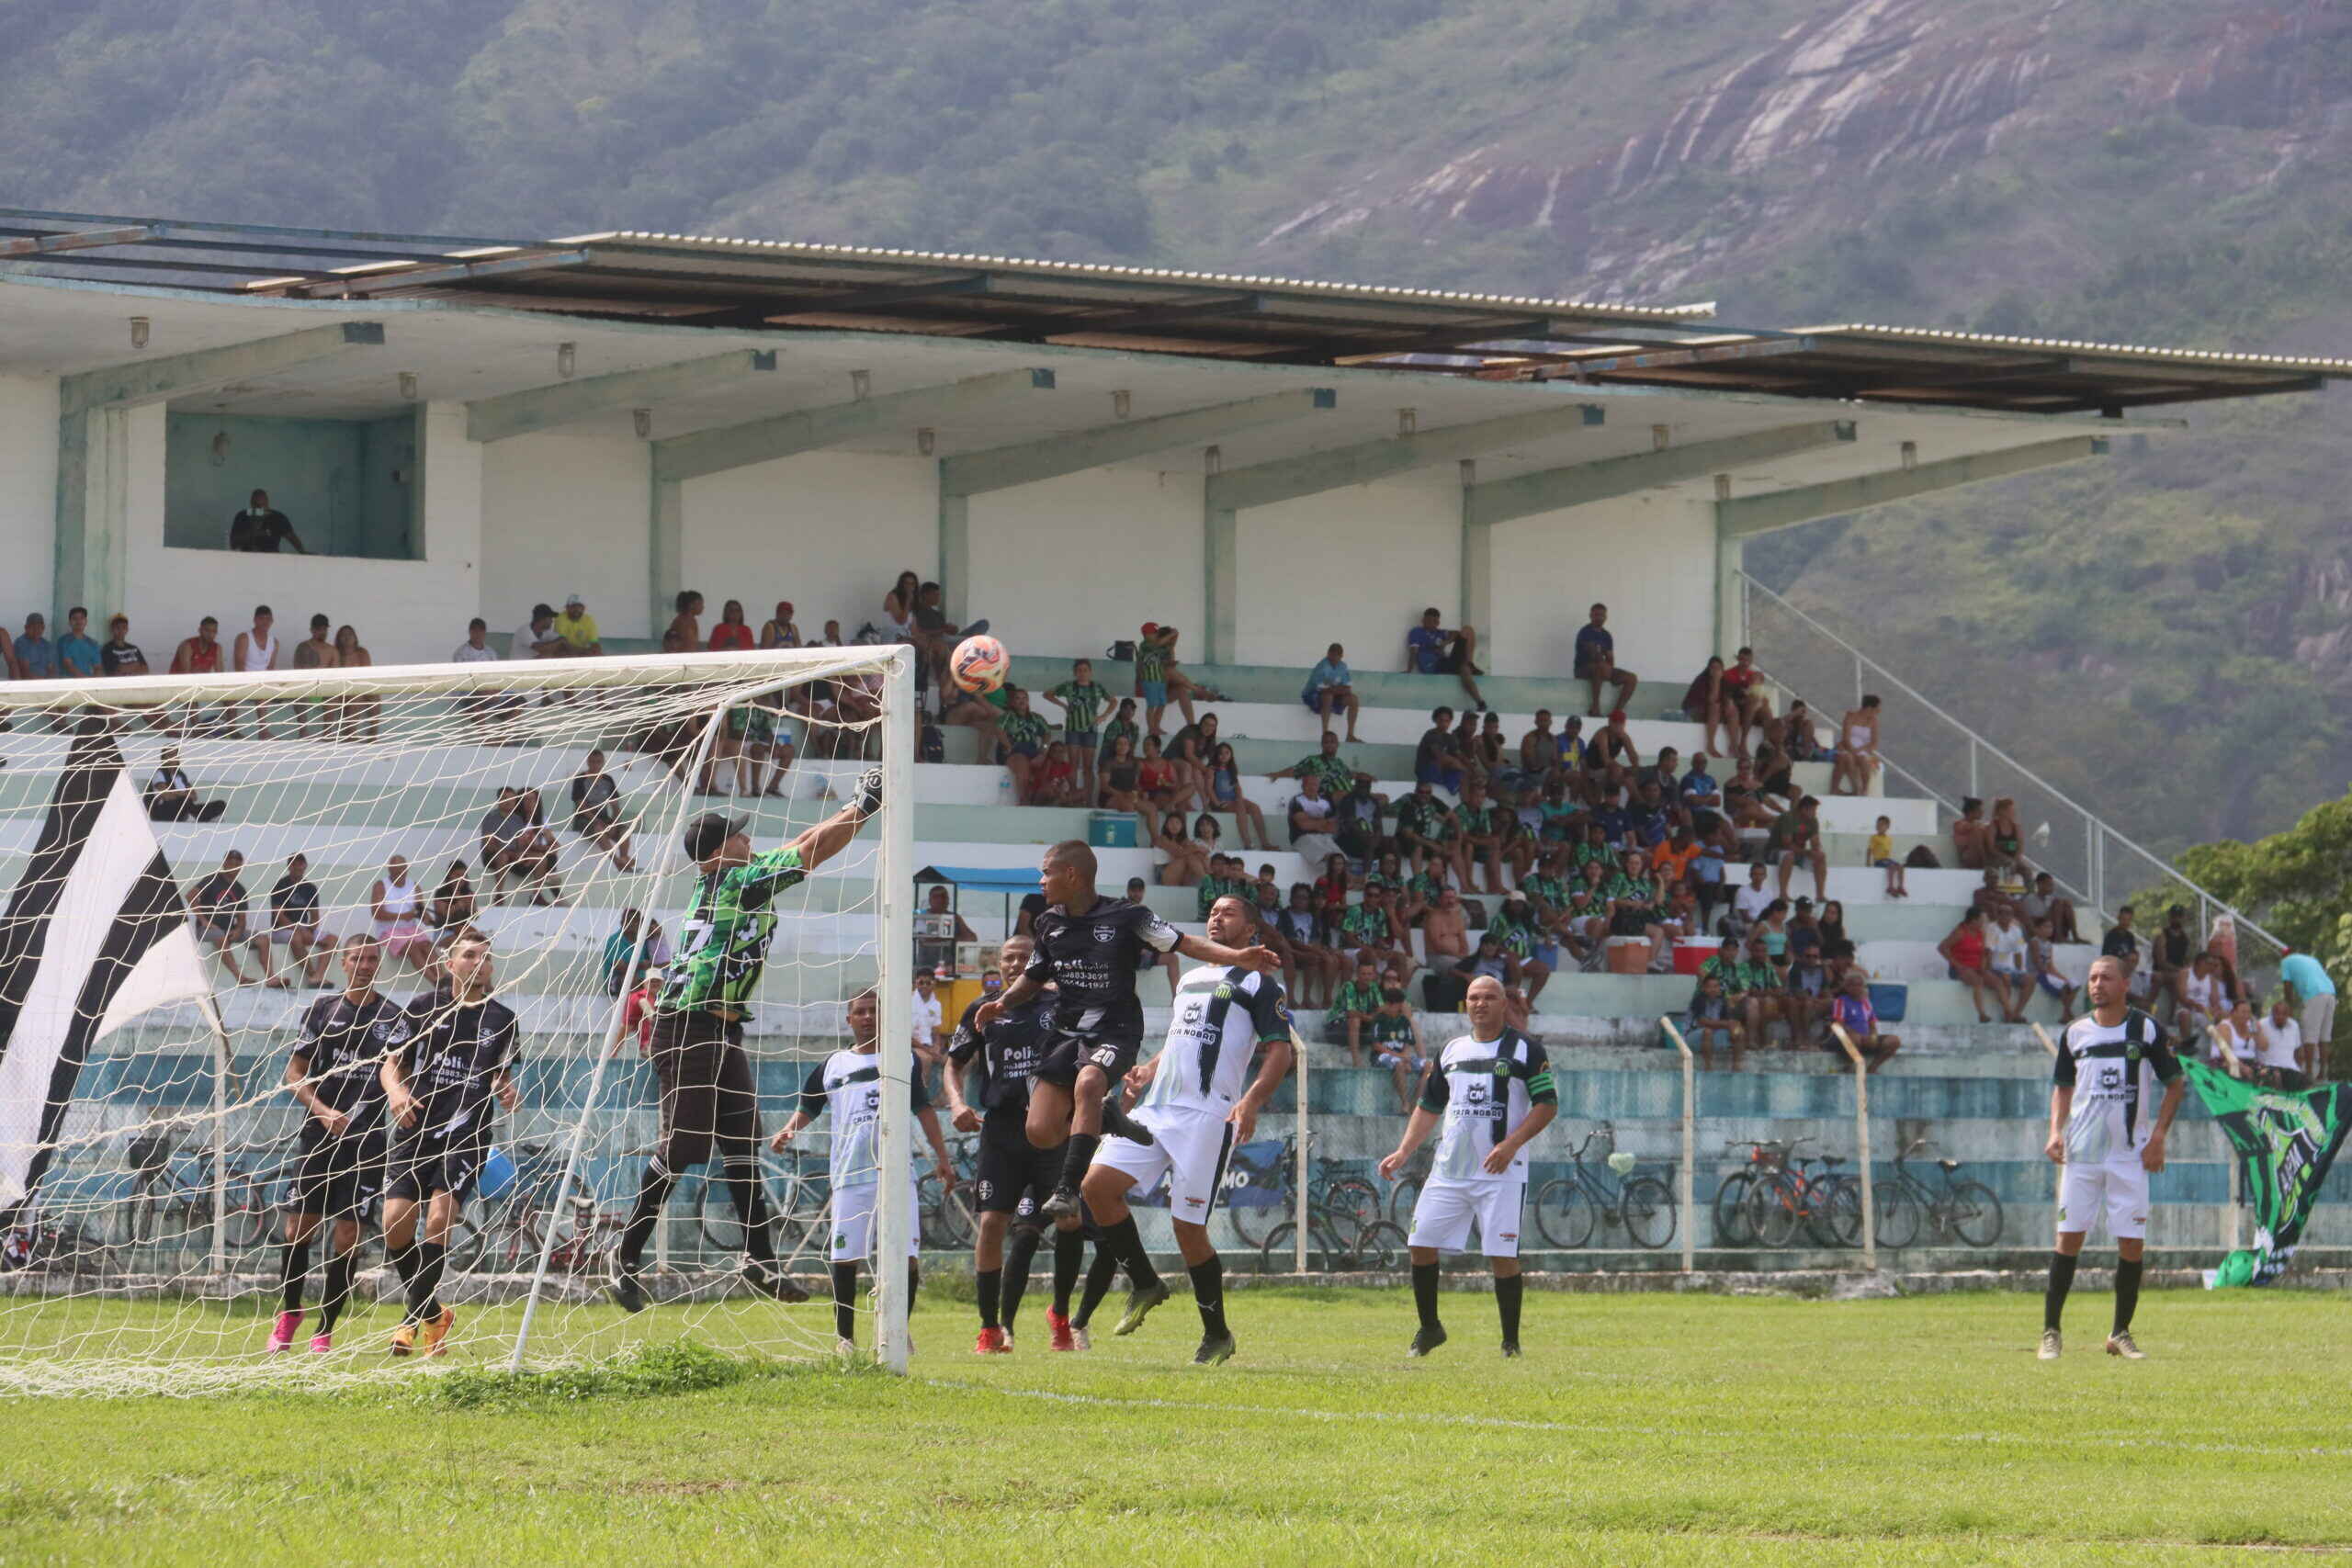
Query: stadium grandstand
point(571, 441)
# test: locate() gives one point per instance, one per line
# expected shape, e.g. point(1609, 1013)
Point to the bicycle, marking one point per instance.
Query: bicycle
point(945, 1219)
point(507, 1233)
point(1330, 1183)
point(1405, 1187)
point(1967, 1210)
point(800, 1193)
point(1730, 1200)
point(1789, 1196)
point(172, 1191)
point(1345, 1233)
point(1570, 1208)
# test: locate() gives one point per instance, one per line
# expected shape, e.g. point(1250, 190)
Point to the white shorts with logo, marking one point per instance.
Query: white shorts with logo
point(855, 1217)
point(1443, 1212)
point(1193, 1147)
point(2115, 1187)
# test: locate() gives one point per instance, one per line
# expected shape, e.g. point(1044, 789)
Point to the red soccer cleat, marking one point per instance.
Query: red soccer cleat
point(991, 1342)
point(1058, 1322)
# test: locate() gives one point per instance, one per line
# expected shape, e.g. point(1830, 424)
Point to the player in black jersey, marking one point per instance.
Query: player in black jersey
point(1093, 947)
point(439, 1085)
point(335, 1072)
point(1015, 1176)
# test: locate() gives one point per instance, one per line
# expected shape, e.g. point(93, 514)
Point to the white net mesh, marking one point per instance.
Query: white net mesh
point(163, 944)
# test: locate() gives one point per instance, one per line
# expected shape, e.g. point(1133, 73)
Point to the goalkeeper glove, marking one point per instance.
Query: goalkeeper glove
point(868, 799)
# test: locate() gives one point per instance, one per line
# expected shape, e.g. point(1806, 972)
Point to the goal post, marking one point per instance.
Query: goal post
point(157, 968)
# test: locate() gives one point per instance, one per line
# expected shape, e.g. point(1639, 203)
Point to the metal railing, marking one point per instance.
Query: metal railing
point(2097, 866)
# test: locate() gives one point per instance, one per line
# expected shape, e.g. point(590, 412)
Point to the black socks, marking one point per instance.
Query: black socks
point(2127, 1291)
point(1099, 1275)
point(294, 1263)
point(652, 1191)
point(1125, 1245)
point(844, 1300)
point(1208, 1294)
point(1069, 1251)
point(2061, 1279)
point(339, 1271)
point(1425, 1294)
point(1019, 1253)
point(1076, 1155)
point(1508, 1290)
point(751, 1199)
point(991, 1282)
point(424, 1290)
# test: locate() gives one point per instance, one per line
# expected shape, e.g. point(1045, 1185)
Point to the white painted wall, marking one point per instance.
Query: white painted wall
point(27, 498)
point(565, 512)
point(405, 611)
point(1651, 560)
point(829, 531)
point(1354, 566)
point(1069, 566)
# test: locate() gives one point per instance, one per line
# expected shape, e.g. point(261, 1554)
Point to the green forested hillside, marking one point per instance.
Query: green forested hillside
point(2141, 169)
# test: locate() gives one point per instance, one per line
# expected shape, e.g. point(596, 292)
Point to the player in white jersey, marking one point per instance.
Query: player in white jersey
point(1491, 1092)
point(1199, 1100)
point(2106, 1142)
point(847, 1086)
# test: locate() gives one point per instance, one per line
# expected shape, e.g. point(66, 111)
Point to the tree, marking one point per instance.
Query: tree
point(2297, 884)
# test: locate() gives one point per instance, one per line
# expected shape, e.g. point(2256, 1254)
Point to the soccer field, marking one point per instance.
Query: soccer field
point(1638, 1428)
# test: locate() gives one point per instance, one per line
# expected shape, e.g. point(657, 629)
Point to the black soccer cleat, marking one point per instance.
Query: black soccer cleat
point(1425, 1342)
point(1511, 1350)
point(1139, 1305)
point(1214, 1348)
point(771, 1281)
point(1119, 1124)
point(626, 1293)
point(1062, 1205)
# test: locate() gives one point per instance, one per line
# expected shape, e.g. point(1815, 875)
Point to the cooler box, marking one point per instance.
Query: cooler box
point(1111, 830)
point(1692, 952)
point(1629, 954)
point(1889, 1001)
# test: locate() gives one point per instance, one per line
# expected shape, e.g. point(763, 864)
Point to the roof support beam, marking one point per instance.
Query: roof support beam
point(1287, 479)
point(1001, 467)
point(154, 380)
point(74, 240)
point(1141, 319)
point(681, 458)
point(1661, 359)
point(1579, 484)
point(1749, 515)
point(874, 299)
point(543, 408)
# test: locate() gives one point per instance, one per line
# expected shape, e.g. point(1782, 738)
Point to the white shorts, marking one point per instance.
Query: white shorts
point(2115, 1187)
point(1193, 1149)
point(2319, 1019)
point(854, 1222)
point(1441, 1214)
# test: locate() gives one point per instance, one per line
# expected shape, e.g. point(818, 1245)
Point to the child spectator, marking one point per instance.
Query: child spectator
point(1396, 1045)
point(1329, 690)
point(1880, 853)
point(1082, 702)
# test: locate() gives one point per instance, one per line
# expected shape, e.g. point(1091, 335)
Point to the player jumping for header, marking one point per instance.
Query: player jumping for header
point(1092, 948)
point(708, 1099)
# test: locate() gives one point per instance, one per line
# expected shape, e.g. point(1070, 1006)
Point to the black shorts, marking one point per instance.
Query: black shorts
point(1014, 1177)
point(424, 1164)
point(1069, 1052)
point(708, 1097)
point(338, 1178)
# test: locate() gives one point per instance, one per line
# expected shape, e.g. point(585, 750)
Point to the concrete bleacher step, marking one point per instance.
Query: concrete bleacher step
point(1280, 684)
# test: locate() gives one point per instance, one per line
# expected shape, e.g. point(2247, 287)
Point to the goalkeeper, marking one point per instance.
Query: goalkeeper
point(709, 1102)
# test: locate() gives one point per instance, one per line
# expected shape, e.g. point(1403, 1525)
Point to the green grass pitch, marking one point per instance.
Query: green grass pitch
point(1637, 1430)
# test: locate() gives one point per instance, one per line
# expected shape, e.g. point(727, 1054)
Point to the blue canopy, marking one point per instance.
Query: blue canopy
point(983, 878)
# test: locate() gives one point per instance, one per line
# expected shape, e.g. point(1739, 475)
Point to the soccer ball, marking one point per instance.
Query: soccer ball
point(979, 664)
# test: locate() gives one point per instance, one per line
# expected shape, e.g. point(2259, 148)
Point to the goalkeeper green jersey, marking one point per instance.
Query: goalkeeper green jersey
point(723, 942)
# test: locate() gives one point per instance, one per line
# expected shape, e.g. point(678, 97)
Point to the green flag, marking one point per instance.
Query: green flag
point(2285, 1143)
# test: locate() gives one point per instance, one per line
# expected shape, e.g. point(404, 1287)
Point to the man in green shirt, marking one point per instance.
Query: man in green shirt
point(1357, 1003)
point(1338, 779)
point(1083, 704)
point(1482, 835)
point(709, 1098)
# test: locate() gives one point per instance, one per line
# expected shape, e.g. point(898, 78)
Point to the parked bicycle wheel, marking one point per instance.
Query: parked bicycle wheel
point(1279, 1253)
point(1772, 1211)
point(1380, 1248)
point(1565, 1214)
point(1403, 1193)
point(1898, 1217)
point(1973, 1211)
point(1647, 1206)
point(1838, 1206)
point(1731, 1212)
point(946, 1216)
point(1254, 1223)
point(1353, 1201)
point(715, 1214)
point(1819, 1212)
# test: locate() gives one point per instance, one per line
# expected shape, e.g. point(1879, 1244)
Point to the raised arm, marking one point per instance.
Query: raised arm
point(829, 838)
point(1263, 959)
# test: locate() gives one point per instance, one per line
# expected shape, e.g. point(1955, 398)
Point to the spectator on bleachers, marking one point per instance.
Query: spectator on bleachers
point(1963, 949)
point(1539, 751)
point(1396, 1045)
point(537, 637)
point(936, 635)
point(1356, 822)
point(1744, 800)
point(1794, 733)
point(638, 942)
point(1742, 685)
point(2005, 842)
point(1879, 852)
point(1971, 835)
point(2204, 997)
point(1156, 777)
point(1525, 939)
point(1858, 1017)
point(1429, 836)
point(77, 651)
point(983, 713)
point(1795, 840)
point(1596, 662)
point(170, 795)
point(927, 1012)
point(2042, 902)
point(36, 655)
point(732, 634)
point(1330, 690)
point(780, 630)
point(1612, 754)
point(1314, 965)
point(1159, 644)
point(454, 905)
point(515, 845)
point(1439, 759)
point(685, 622)
point(1327, 765)
point(1189, 750)
point(2278, 1038)
point(899, 607)
point(197, 655)
point(365, 711)
point(1022, 748)
point(1083, 702)
point(1120, 775)
point(1856, 761)
point(261, 529)
point(1989, 895)
point(294, 921)
point(596, 814)
point(1353, 1007)
point(1187, 862)
point(1481, 836)
point(1310, 820)
point(1224, 795)
point(1123, 722)
point(1486, 747)
point(314, 716)
point(1057, 777)
point(1706, 702)
point(1431, 649)
point(1369, 933)
point(218, 907)
point(484, 706)
point(397, 910)
point(1710, 1017)
point(2042, 965)
point(2009, 963)
point(1750, 901)
point(121, 656)
point(576, 629)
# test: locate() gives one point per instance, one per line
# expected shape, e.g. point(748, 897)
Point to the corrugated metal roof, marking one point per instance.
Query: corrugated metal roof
point(2217, 358)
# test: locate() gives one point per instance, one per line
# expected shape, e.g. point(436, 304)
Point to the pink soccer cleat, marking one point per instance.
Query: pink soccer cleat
point(281, 1333)
point(321, 1343)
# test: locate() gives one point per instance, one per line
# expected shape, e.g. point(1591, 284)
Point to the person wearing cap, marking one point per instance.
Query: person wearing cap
point(709, 1097)
point(576, 629)
point(780, 631)
point(536, 639)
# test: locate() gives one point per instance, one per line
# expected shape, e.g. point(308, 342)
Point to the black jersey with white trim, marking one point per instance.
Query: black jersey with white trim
point(1094, 957)
point(453, 1050)
point(341, 1049)
point(1009, 1050)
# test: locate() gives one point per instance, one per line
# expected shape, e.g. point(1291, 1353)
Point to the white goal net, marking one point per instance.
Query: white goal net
point(226, 903)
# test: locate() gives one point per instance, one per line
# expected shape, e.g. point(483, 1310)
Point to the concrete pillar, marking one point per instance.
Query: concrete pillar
point(955, 554)
point(450, 496)
point(1221, 583)
point(1731, 617)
